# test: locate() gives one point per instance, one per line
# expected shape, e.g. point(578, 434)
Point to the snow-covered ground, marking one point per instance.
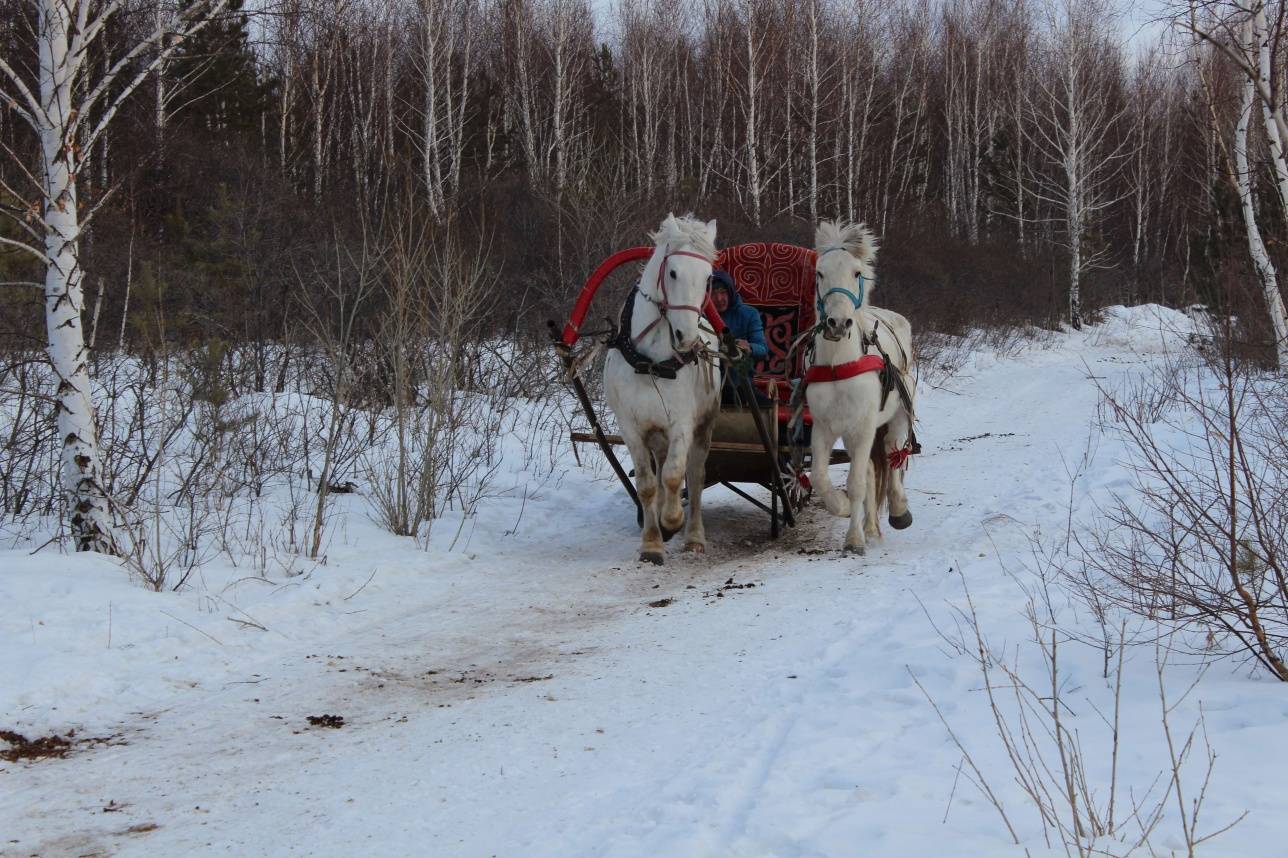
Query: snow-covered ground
point(524, 687)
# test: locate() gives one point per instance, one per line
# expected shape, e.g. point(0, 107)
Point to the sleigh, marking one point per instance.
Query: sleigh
point(751, 447)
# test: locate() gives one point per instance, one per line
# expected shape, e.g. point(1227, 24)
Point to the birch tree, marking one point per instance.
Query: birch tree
point(648, 70)
point(1241, 31)
point(443, 62)
point(568, 35)
point(1071, 126)
point(1256, 246)
point(817, 69)
point(757, 47)
point(57, 106)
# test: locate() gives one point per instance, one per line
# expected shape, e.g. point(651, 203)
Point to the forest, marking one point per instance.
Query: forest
point(255, 180)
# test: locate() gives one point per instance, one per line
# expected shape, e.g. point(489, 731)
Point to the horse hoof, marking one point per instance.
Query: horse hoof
point(899, 522)
point(696, 547)
point(654, 557)
point(857, 550)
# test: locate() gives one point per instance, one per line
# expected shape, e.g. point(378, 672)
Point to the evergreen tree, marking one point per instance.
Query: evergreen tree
point(223, 91)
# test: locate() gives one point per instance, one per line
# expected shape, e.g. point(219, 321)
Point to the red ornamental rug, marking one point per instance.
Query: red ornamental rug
point(778, 280)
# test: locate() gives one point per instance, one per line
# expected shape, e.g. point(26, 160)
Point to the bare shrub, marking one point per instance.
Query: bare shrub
point(175, 490)
point(1066, 767)
point(1201, 543)
point(447, 403)
point(335, 301)
point(941, 356)
point(28, 468)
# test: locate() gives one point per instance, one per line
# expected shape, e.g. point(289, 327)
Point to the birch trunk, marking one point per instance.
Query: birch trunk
point(752, 129)
point(815, 86)
point(1270, 110)
point(87, 503)
point(163, 93)
point(1257, 247)
point(1073, 155)
point(429, 65)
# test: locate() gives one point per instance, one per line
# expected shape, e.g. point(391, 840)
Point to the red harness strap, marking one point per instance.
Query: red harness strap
point(839, 372)
point(868, 363)
point(898, 458)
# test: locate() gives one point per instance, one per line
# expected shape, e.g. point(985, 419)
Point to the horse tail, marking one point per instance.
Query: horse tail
point(881, 470)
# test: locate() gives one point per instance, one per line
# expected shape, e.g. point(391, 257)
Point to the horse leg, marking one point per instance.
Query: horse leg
point(659, 443)
point(896, 437)
point(858, 441)
point(695, 476)
point(871, 526)
point(646, 487)
point(821, 453)
point(672, 469)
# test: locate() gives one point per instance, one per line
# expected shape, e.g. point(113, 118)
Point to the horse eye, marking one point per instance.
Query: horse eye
point(818, 275)
point(672, 274)
point(858, 275)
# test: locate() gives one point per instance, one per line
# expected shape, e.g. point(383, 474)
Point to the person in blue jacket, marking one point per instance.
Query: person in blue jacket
point(743, 321)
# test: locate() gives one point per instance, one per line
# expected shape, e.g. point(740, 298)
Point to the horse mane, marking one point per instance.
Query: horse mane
point(677, 231)
point(854, 237)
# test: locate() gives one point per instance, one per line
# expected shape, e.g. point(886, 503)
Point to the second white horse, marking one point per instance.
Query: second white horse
point(845, 391)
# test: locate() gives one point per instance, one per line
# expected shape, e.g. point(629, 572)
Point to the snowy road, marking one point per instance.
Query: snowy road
point(525, 699)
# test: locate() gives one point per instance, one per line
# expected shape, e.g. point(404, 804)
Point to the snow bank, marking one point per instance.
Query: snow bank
point(1146, 329)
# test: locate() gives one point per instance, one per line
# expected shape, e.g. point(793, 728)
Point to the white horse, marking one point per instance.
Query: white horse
point(664, 396)
point(844, 384)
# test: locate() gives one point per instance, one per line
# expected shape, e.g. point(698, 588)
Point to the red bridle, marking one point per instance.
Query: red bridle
point(664, 306)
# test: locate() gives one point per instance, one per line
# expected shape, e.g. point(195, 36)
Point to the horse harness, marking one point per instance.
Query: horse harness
point(891, 380)
point(620, 337)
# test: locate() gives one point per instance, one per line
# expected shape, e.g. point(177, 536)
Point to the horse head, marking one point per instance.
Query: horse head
point(843, 274)
point(677, 277)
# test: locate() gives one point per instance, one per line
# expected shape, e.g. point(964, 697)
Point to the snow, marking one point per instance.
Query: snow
point(511, 690)
point(1147, 329)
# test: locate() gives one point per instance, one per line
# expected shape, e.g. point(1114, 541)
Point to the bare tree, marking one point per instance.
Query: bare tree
point(759, 42)
point(1256, 246)
point(447, 31)
point(1242, 33)
point(1073, 123)
point(69, 108)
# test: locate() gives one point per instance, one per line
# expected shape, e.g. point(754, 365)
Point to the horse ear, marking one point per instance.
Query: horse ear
point(711, 230)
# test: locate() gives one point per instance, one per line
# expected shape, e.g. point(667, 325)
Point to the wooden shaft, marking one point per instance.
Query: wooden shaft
point(771, 451)
point(565, 354)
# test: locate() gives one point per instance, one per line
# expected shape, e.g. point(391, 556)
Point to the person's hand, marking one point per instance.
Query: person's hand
point(744, 345)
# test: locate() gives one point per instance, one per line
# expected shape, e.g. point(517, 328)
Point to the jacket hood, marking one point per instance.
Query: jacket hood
point(724, 279)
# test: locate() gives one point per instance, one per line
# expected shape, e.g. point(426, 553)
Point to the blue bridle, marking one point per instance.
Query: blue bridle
point(857, 299)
